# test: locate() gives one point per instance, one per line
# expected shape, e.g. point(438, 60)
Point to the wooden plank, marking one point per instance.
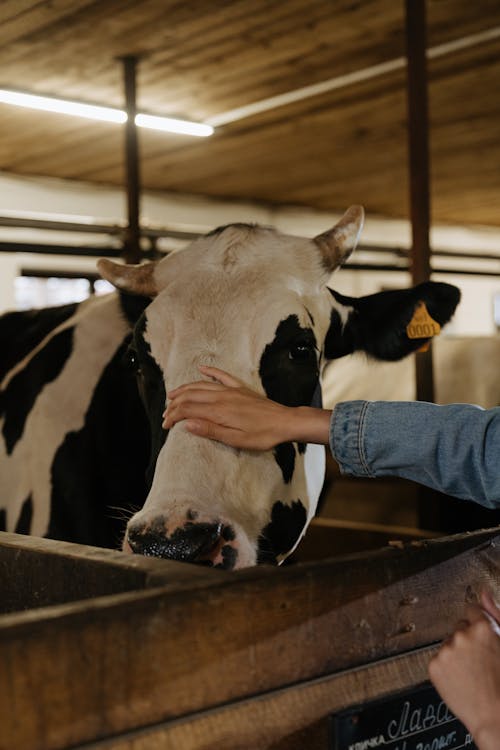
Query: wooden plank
point(37, 17)
point(38, 572)
point(85, 671)
point(329, 536)
point(291, 719)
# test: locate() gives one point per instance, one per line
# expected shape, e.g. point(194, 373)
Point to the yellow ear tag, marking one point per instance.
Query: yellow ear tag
point(422, 326)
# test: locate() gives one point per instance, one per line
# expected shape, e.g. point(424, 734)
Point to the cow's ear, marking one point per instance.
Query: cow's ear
point(337, 243)
point(377, 324)
point(137, 279)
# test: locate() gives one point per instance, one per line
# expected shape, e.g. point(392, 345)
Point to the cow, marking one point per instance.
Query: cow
point(84, 387)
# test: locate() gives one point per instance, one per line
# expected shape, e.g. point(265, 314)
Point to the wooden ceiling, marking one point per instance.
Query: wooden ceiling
point(201, 58)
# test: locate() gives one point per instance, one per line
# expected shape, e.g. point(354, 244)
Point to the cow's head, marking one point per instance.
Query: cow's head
point(254, 302)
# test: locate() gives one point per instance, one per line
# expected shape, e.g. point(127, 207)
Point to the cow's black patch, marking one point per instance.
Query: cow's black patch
point(285, 458)
point(23, 525)
point(280, 535)
point(3, 520)
point(229, 557)
point(340, 339)
point(228, 533)
point(133, 305)
point(20, 332)
point(152, 391)
point(98, 472)
point(290, 375)
point(288, 367)
point(17, 400)
point(377, 323)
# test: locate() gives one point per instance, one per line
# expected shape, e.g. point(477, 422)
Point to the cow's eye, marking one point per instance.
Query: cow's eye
point(302, 351)
point(132, 361)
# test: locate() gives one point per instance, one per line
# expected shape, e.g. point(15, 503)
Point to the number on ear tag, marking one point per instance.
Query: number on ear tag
point(422, 326)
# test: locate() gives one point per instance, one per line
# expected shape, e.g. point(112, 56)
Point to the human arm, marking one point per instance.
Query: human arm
point(452, 448)
point(229, 412)
point(466, 673)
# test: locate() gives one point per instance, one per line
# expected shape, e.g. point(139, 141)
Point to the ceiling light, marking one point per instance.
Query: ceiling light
point(106, 114)
point(62, 106)
point(173, 125)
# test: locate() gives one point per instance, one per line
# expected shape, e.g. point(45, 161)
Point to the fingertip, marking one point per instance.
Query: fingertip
point(220, 376)
point(215, 375)
point(192, 425)
point(489, 602)
point(212, 372)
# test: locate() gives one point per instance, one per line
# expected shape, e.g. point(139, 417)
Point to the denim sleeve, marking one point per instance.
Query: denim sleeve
point(454, 449)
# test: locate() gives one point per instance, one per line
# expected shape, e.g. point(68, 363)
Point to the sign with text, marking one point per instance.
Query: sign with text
point(416, 719)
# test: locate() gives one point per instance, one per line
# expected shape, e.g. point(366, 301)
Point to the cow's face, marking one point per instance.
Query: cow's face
point(254, 302)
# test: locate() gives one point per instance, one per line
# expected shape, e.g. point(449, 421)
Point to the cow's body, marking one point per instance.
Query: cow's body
point(73, 458)
point(83, 446)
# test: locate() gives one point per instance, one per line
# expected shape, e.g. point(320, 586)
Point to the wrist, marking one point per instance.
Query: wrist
point(311, 425)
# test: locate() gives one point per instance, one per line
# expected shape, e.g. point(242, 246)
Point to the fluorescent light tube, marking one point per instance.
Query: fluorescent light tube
point(106, 114)
point(62, 106)
point(172, 125)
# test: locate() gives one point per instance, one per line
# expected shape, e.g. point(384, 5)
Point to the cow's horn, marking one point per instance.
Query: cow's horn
point(129, 278)
point(337, 244)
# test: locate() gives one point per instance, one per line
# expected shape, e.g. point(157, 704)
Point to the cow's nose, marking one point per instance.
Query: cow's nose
point(192, 542)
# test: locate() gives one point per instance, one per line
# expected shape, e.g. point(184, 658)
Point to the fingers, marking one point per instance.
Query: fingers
point(473, 614)
point(226, 398)
point(199, 385)
point(461, 625)
point(490, 605)
point(221, 380)
point(207, 429)
point(199, 405)
point(221, 376)
point(479, 613)
point(226, 411)
point(218, 403)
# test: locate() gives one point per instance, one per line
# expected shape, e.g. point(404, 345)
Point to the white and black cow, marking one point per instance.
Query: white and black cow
point(83, 389)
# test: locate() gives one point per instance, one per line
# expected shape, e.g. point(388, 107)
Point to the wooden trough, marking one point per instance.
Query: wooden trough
point(103, 650)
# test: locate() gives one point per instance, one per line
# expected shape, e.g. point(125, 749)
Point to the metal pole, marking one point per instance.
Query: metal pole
point(418, 128)
point(428, 502)
point(131, 249)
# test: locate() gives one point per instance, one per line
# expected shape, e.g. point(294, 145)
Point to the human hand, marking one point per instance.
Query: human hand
point(228, 411)
point(466, 673)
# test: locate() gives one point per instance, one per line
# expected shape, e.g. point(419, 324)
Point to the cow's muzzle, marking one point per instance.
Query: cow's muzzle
point(202, 543)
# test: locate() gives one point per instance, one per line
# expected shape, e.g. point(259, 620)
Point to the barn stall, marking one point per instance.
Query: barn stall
point(109, 651)
point(309, 116)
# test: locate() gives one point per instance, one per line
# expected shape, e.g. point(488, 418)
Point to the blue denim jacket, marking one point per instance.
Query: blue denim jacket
point(454, 448)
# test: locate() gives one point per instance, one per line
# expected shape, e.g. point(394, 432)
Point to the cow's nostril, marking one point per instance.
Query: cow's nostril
point(193, 542)
point(148, 543)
